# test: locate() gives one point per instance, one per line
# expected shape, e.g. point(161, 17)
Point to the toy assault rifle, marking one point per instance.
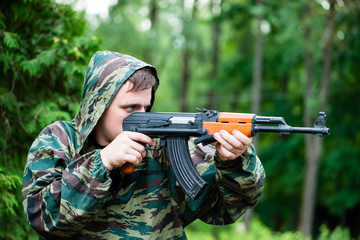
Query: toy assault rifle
point(174, 130)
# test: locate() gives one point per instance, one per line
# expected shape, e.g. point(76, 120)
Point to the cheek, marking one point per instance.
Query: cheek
point(113, 121)
point(117, 120)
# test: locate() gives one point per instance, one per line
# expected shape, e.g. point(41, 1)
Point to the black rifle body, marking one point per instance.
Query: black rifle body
point(175, 129)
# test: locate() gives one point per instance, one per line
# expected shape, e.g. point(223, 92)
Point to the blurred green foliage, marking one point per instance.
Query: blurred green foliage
point(44, 51)
point(258, 230)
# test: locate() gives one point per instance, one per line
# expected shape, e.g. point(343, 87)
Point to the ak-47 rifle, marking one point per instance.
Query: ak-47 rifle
point(174, 130)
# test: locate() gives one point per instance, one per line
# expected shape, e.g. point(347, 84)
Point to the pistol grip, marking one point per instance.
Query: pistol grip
point(127, 168)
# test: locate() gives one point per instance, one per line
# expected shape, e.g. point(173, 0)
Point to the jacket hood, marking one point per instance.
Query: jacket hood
point(106, 73)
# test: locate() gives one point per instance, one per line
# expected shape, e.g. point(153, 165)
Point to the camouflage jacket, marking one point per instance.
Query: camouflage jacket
point(69, 194)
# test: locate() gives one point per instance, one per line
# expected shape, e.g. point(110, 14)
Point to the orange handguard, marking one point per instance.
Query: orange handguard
point(230, 122)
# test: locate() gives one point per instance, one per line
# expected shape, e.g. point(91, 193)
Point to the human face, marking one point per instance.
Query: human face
point(124, 103)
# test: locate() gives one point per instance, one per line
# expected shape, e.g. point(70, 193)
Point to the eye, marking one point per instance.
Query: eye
point(130, 108)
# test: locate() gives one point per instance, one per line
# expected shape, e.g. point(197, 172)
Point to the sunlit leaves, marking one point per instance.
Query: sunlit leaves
point(44, 53)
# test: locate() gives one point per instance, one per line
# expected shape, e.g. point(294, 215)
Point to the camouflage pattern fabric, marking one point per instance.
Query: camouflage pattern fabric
point(69, 194)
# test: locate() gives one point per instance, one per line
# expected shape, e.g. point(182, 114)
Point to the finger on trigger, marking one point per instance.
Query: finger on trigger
point(146, 140)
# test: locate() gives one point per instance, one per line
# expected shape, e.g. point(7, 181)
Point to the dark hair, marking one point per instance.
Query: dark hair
point(144, 78)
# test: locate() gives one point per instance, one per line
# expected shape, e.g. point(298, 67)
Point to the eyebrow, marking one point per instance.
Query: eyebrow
point(135, 105)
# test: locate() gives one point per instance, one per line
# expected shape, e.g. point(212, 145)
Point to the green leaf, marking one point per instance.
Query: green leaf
point(11, 40)
point(8, 199)
point(31, 66)
point(47, 58)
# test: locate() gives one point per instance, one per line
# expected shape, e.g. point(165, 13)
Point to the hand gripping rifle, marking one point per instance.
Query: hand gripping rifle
point(174, 130)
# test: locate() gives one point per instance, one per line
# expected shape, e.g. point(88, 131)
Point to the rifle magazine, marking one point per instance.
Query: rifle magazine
point(185, 173)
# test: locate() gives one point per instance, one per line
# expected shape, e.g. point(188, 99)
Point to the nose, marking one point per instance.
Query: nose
point(142, 109)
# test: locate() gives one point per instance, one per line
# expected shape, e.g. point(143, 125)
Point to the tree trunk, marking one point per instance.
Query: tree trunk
point(153, 13)
point(306, 215)
point(313, 143)
point(185, 80)
point(187, 25)
point(257, 67)
point(325, 81)
point(214, 56)
point(256, 88)
point(152, 44)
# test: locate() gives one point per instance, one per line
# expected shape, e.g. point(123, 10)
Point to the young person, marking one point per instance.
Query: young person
point(73, 188)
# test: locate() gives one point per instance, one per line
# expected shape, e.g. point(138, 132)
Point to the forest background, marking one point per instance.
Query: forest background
point(275, 57)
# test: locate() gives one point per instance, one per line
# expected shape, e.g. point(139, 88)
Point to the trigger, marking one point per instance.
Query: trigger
point(205, 139)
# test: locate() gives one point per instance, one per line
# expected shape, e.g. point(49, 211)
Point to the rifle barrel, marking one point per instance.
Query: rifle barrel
point(285, 129)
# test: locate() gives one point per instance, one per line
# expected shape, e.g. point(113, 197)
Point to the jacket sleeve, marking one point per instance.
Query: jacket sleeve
point(233, 186)
point(62, 191)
